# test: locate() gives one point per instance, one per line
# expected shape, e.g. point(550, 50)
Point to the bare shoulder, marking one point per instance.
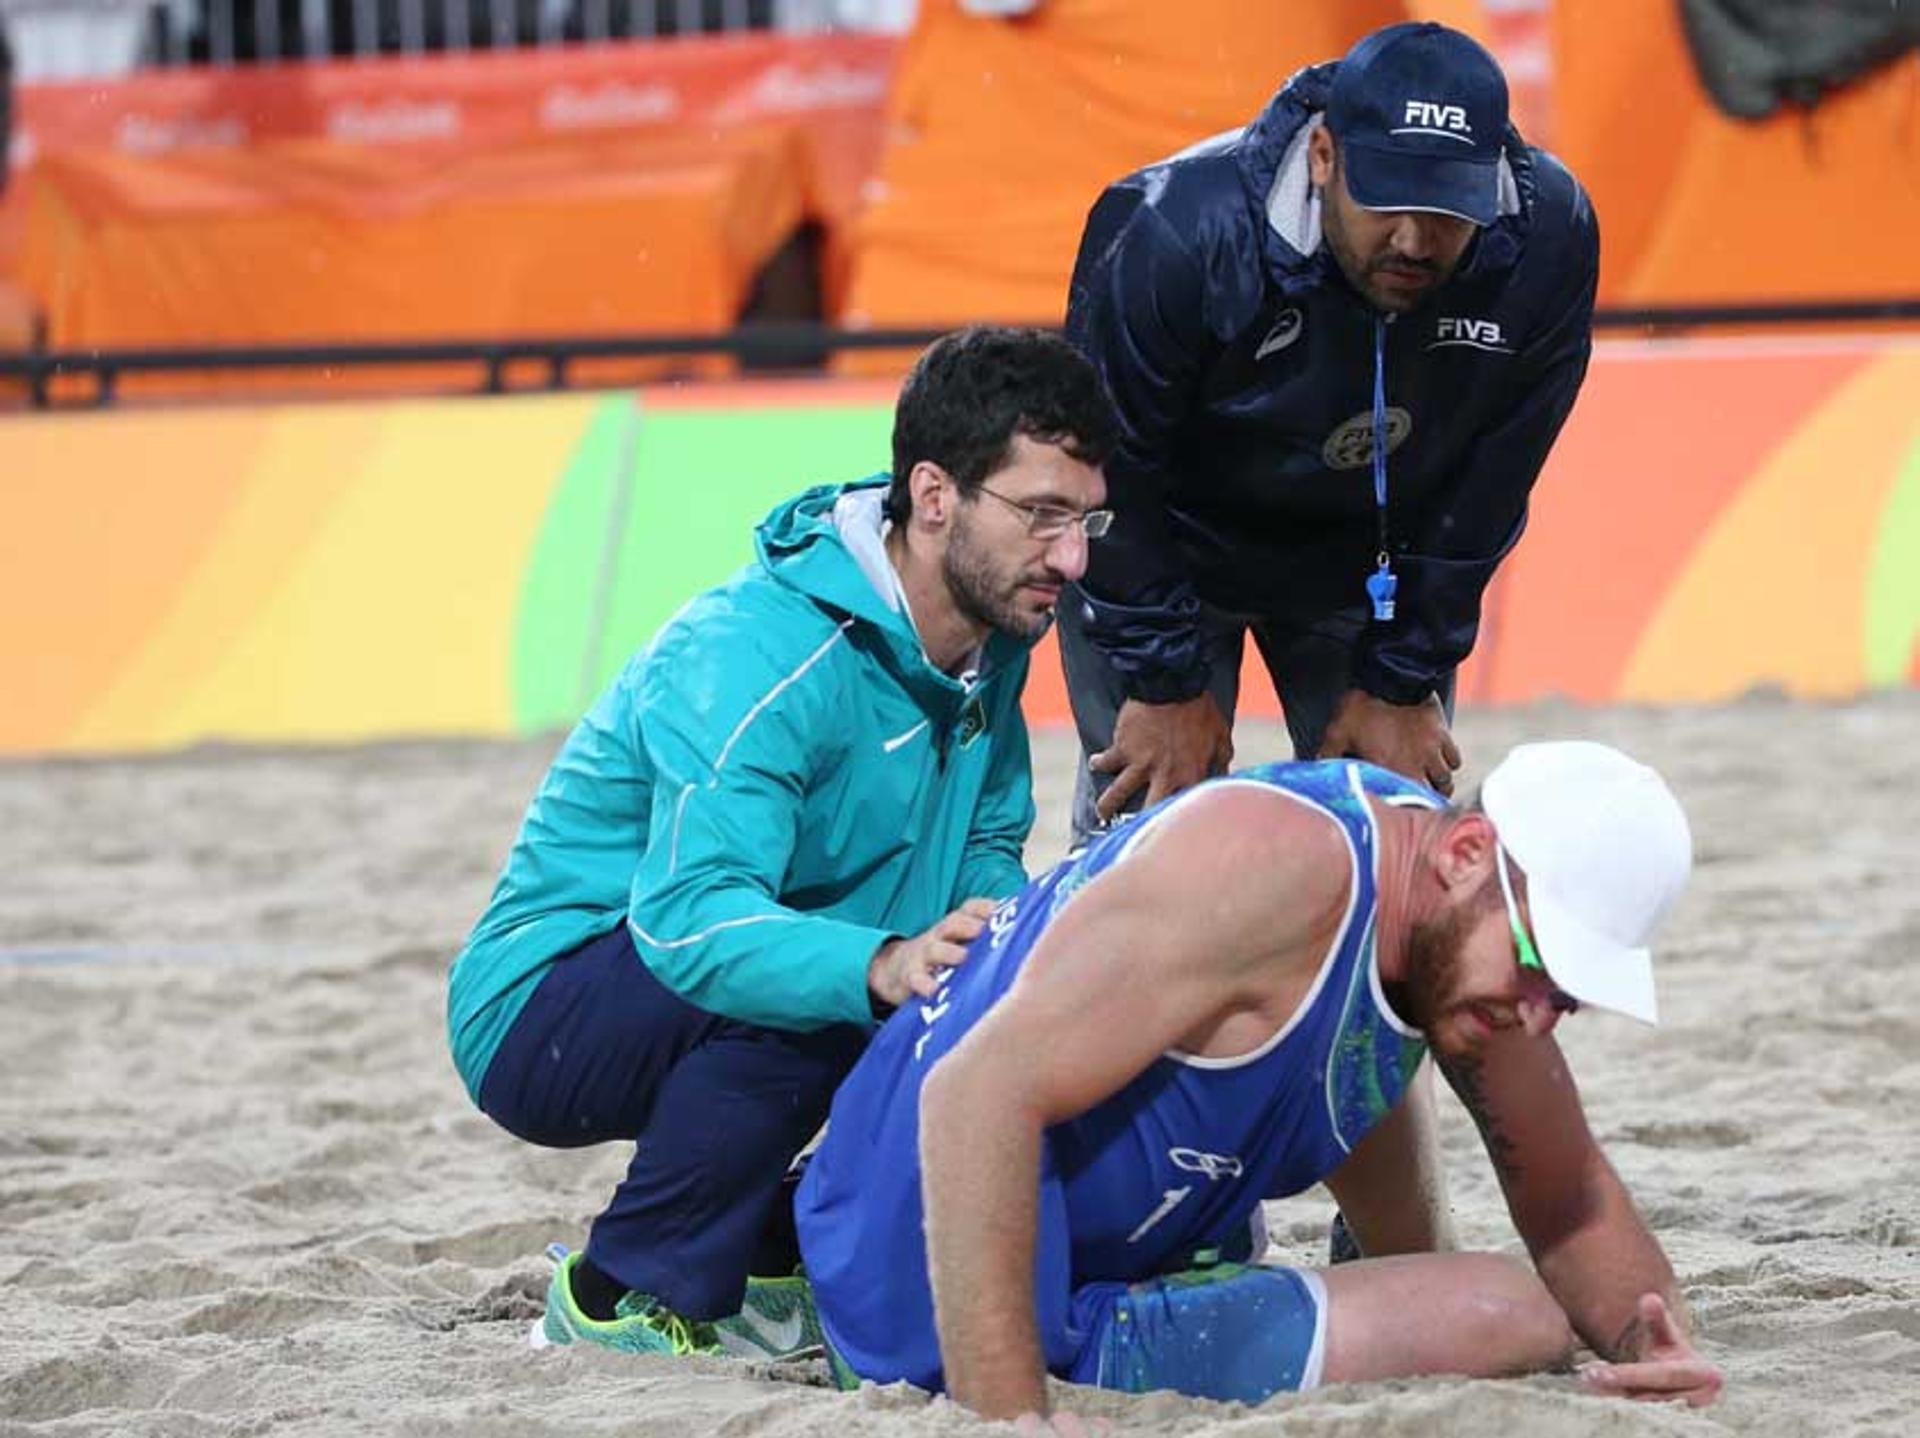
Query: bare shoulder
point(1253, 821)
point(1260, 857)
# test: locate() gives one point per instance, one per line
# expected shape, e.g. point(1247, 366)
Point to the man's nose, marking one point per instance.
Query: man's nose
point(1538, 1016)
point(1068, 554)
point(1415, 235)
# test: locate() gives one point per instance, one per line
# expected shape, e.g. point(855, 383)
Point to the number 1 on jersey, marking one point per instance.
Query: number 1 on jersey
point(1169, 1200)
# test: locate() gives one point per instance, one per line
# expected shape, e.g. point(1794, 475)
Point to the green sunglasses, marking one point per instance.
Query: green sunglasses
point(1524, 950)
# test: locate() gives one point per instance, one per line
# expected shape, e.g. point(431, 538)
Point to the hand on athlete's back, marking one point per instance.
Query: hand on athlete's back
point(1162, 748)
point(1669, 1366)
point(1410, 739)
point(901, 968)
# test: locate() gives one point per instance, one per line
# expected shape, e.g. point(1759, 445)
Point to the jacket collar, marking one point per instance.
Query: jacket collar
point(805, 544)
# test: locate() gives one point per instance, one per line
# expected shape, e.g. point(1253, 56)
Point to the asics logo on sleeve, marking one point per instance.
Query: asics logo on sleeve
point(1286, 329)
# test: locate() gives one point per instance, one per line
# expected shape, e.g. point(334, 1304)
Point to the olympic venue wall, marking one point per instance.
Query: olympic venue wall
point(1719, 516)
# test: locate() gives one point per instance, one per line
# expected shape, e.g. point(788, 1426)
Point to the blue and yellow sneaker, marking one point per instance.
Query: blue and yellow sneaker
point(640, 1324)
point(777, 1320)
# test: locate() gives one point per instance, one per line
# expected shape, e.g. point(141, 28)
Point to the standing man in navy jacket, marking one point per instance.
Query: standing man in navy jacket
point(1342, 341)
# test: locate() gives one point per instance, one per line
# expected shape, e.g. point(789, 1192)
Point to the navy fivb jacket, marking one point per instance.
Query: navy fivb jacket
point(1242, 365)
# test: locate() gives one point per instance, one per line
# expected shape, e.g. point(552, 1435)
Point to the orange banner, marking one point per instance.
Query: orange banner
point(611, 188)
point(482, 98)
point(296, 242)
point(833, 87)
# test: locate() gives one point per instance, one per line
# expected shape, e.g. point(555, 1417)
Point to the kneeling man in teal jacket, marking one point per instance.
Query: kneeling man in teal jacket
point(788, 813)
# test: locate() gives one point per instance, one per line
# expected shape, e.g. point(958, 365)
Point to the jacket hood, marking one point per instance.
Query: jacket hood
point(802, 546)
point(1272, 156)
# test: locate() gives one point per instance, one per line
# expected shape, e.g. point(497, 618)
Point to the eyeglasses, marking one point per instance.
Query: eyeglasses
point(1524, 950)
point(1050, 521)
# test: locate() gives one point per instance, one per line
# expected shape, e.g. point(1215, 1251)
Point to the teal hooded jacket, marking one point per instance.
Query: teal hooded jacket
point(776, 785)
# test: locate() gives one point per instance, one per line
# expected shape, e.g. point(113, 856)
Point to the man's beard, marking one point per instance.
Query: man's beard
point(1361, 277)
point(986, 597)
point(1433, 968)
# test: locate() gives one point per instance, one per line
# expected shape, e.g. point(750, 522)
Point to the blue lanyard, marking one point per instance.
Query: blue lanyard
point(1383, 581)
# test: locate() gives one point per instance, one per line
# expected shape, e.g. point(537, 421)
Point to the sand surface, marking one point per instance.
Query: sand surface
point(242, 1192)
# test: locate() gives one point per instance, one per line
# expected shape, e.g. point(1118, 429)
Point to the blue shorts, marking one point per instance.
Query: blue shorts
point(1233, 1332)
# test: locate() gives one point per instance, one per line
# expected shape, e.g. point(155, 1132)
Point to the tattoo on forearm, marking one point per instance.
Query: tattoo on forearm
point(1465, 1076)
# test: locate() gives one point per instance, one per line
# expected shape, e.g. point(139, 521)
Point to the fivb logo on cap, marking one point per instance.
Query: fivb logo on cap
point(1419, 115)
point(1430, 117)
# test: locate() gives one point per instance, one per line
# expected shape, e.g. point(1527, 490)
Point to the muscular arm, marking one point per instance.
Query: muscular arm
point(1392, 1188)
point(1592, 1250)
point(1133, 967)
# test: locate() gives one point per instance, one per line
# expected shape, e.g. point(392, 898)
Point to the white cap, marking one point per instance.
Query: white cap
point(1606, 850)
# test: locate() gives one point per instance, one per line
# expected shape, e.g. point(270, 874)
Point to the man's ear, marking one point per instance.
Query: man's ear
point(1320, 157)
point(1465, 854)
point(934, 494)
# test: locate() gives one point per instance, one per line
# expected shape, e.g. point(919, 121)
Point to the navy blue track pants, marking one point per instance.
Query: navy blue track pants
point(717, 1110)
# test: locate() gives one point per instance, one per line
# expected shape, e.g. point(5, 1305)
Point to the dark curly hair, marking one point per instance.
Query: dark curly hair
point(972, 391)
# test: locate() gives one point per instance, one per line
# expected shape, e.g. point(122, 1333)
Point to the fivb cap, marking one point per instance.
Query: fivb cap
point(1606, 850)
point(1420, 113)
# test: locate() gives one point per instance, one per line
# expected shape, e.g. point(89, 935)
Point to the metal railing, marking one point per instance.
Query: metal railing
point(82, 39)
point(229, 32)
point(783, 345)
point(787, 346)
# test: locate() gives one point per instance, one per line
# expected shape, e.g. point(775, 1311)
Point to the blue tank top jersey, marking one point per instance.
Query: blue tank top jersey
point(1175, 1162)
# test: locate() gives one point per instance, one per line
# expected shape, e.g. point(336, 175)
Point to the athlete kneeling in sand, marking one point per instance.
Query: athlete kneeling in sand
point(1223, 1001)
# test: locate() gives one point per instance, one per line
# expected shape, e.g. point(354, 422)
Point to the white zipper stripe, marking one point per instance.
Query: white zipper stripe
point(773, 693)
point(673, 849)
point(651, 942)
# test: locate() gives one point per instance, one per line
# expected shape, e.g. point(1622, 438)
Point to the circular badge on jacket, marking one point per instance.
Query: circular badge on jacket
point(1351, 445)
